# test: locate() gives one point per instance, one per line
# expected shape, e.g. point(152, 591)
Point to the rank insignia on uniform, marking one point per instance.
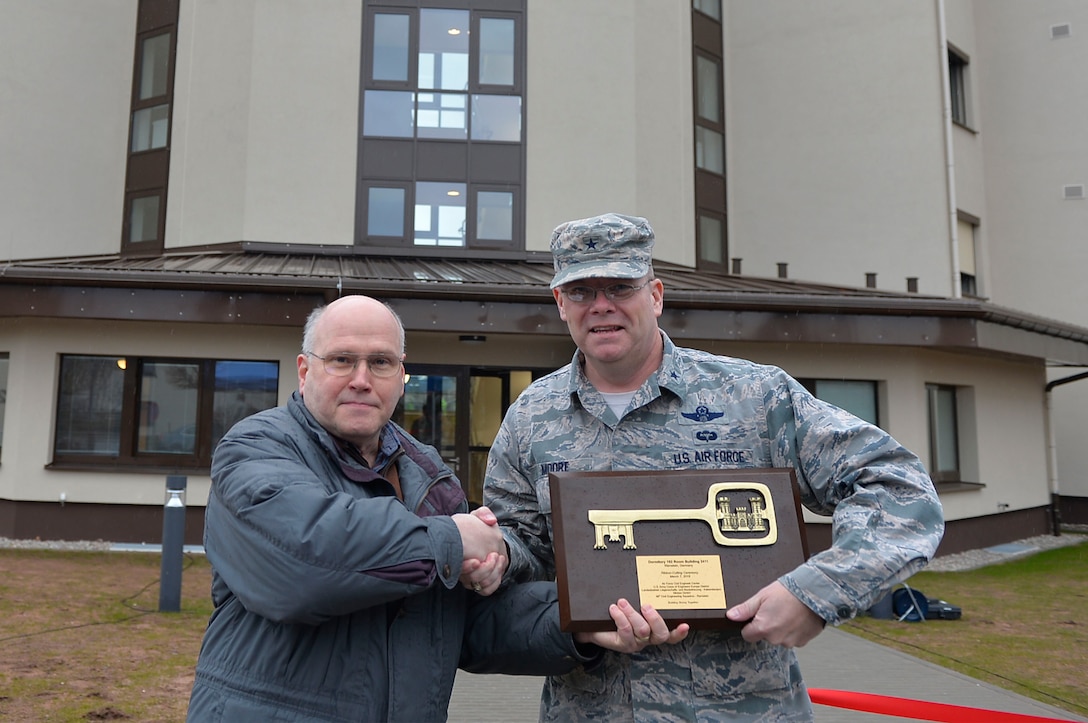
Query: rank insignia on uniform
point(702, 413)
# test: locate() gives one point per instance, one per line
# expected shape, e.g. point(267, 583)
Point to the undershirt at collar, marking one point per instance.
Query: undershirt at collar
point(618, 401)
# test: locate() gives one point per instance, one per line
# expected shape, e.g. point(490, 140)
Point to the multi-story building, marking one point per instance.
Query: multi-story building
point(886, 199)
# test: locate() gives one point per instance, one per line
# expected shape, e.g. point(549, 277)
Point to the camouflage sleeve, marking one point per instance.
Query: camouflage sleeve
point(887, 518)
point(511, 495)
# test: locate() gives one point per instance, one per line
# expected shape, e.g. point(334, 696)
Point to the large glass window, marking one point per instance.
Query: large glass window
point(168, 407)
point(132, 411)
point(442, 105)
point(89, 405)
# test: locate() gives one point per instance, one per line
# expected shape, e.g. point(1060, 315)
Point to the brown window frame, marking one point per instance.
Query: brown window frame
point(402, 162)
point(710, 187)
point(128, 456)
point(147, 170)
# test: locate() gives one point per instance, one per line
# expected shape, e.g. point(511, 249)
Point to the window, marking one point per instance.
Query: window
point(967, 239)
point(133, 411)
point(709, 113)
point(957, 85)
point(859, 397)
point(944, 445)
point(3, 395)
point(441, 153)
point(144, 219)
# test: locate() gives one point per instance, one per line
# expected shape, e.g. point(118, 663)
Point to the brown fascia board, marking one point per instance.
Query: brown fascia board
point(750, 316)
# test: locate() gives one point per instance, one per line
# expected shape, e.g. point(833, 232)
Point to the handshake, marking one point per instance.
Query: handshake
point(485, 560)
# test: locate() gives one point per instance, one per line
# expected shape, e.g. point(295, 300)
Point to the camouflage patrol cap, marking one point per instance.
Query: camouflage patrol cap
point(610, 246)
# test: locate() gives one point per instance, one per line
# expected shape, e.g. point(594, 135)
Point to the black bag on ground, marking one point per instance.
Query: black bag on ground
point(910, 604)
point(941, 610)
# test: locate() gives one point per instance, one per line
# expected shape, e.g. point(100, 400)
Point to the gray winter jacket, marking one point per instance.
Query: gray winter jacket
point(334, 600)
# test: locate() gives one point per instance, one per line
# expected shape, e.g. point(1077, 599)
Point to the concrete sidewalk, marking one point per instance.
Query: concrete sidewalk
point(834, 660)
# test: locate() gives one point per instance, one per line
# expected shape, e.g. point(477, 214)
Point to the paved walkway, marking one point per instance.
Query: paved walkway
point(835, 660)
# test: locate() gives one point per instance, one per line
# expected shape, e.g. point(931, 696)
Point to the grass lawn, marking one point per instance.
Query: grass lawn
point(81, 638)
point(1024, 626)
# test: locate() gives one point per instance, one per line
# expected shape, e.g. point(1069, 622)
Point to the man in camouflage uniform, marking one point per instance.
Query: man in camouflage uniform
point(632, 400)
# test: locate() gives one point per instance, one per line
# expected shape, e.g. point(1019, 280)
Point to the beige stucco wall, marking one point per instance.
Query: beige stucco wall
point(1006, 411)
point(1029, 92)
point(63, 125)
point(266, 106)
point(607, 83)
point(835, 148)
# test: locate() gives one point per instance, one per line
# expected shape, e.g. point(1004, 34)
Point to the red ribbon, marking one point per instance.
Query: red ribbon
point(919, 709)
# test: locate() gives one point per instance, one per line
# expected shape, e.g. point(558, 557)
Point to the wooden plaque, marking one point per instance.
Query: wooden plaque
point(689, 542)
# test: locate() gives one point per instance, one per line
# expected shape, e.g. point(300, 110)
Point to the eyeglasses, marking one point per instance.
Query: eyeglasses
point(615, 292)
point(342, 365)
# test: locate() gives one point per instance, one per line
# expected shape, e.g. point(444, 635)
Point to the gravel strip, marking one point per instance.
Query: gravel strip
point(970, 560)
point(79, 545)
point(973, 559)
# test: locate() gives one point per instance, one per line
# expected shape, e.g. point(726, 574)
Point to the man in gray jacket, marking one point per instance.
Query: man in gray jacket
point(337, 543)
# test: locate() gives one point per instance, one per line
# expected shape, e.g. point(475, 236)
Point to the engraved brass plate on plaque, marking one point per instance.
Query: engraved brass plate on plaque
point(705, 539)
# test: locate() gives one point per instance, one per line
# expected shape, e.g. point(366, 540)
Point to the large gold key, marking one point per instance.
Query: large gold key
point(719, 513)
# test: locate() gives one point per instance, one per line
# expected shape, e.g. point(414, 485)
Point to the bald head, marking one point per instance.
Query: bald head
point(349, 305)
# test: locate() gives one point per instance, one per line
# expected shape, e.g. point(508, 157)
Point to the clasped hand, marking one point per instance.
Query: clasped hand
point(485, 561)
point(485, 556)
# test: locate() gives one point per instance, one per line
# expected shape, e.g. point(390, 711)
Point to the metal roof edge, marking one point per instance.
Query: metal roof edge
point(774, 295)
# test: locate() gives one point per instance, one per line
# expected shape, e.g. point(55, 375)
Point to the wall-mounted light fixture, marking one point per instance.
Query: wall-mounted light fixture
point(472, 338)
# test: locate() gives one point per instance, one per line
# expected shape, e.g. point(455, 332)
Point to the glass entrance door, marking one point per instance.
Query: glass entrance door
point(457, 410)
point(429, 412)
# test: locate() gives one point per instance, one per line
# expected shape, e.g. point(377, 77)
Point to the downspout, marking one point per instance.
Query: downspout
point(949, 156)
point(1052, 453)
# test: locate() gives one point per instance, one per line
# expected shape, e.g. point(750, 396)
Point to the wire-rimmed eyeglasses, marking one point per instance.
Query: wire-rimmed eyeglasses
point(342, 365)
point(613, 292)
